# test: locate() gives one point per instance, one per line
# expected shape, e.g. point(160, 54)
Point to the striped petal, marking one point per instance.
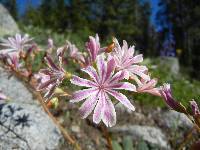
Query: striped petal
point(88, 106)
point(101, 67)
point(154, 91)
point(124, 86)
point(138, 59)
point(46, 84)
point(91, 72)
point(50, 63)
point(110, 68)
point(82, 94)
point(117, 77)
point(140, 71)
point(122, 98)
point(149, 85)
point(98, 111)
point(109, 114)
point(82, 82)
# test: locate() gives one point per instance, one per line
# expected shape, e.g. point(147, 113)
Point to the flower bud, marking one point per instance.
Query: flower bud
point(166, 93)
point(195, 112)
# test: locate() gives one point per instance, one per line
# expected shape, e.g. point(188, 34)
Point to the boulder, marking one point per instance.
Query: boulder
point(23, 122)
point(8, 25)
point(15, 89)
point(25, 126)
point(174, 120)
point(152, 135)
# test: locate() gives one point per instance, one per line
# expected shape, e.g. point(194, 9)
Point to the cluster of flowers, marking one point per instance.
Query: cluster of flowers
point(16, 50)
point(109, 69)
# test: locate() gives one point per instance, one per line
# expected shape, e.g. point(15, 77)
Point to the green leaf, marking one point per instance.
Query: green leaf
point(142, 146)
point(127, 143)
point(116, 145)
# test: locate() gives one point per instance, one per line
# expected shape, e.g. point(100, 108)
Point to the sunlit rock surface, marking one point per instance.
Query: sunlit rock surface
point(23, 122)
point(8, 25)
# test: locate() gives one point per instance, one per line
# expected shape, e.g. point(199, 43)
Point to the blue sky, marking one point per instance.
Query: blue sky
point(23, 3)
point(154, 6)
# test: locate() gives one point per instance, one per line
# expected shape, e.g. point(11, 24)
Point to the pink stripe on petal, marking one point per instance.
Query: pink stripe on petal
point(140, 71)
point(131, 50)
point(109, 114)
point(91, 72)
point(82, 82)
point(117, 77)
point(82, 94)
point(138, 58)
point(110, 68)
point(151, 84)
point(46, 84)
point(101, 67)
point(154, 91)
point(50, 63)
point(122, 98)
point(142, 75)
point(124, 47)
point(98, 111)
point(123, 86)
point(88, 106)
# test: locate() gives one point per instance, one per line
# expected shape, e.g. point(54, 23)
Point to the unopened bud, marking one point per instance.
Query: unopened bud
point(166, 93)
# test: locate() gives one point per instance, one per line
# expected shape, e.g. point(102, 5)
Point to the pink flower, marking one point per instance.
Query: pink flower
point(102, 85)
point(166, 93)
point(93, 48)
point(2, 96)
point(149, 87)
point(128, 63)
point(51, 77)
point(13, 60)
point(15, 44)
point(75, 53)
point(195, 108)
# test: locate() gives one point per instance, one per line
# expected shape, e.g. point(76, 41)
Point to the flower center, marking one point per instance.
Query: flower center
point(101, 87)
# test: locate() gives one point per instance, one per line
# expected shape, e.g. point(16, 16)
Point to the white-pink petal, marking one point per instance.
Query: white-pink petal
point(91, 72)
point(82, 94)
point(117, 77)
point(82, 82)
point(88, 106)
point(98, 111)
point(109, 114)
point(138, 59)
point(140, 71)
point(102, 68)
point(122, 98)
point(110, 68)
point(124, 86)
